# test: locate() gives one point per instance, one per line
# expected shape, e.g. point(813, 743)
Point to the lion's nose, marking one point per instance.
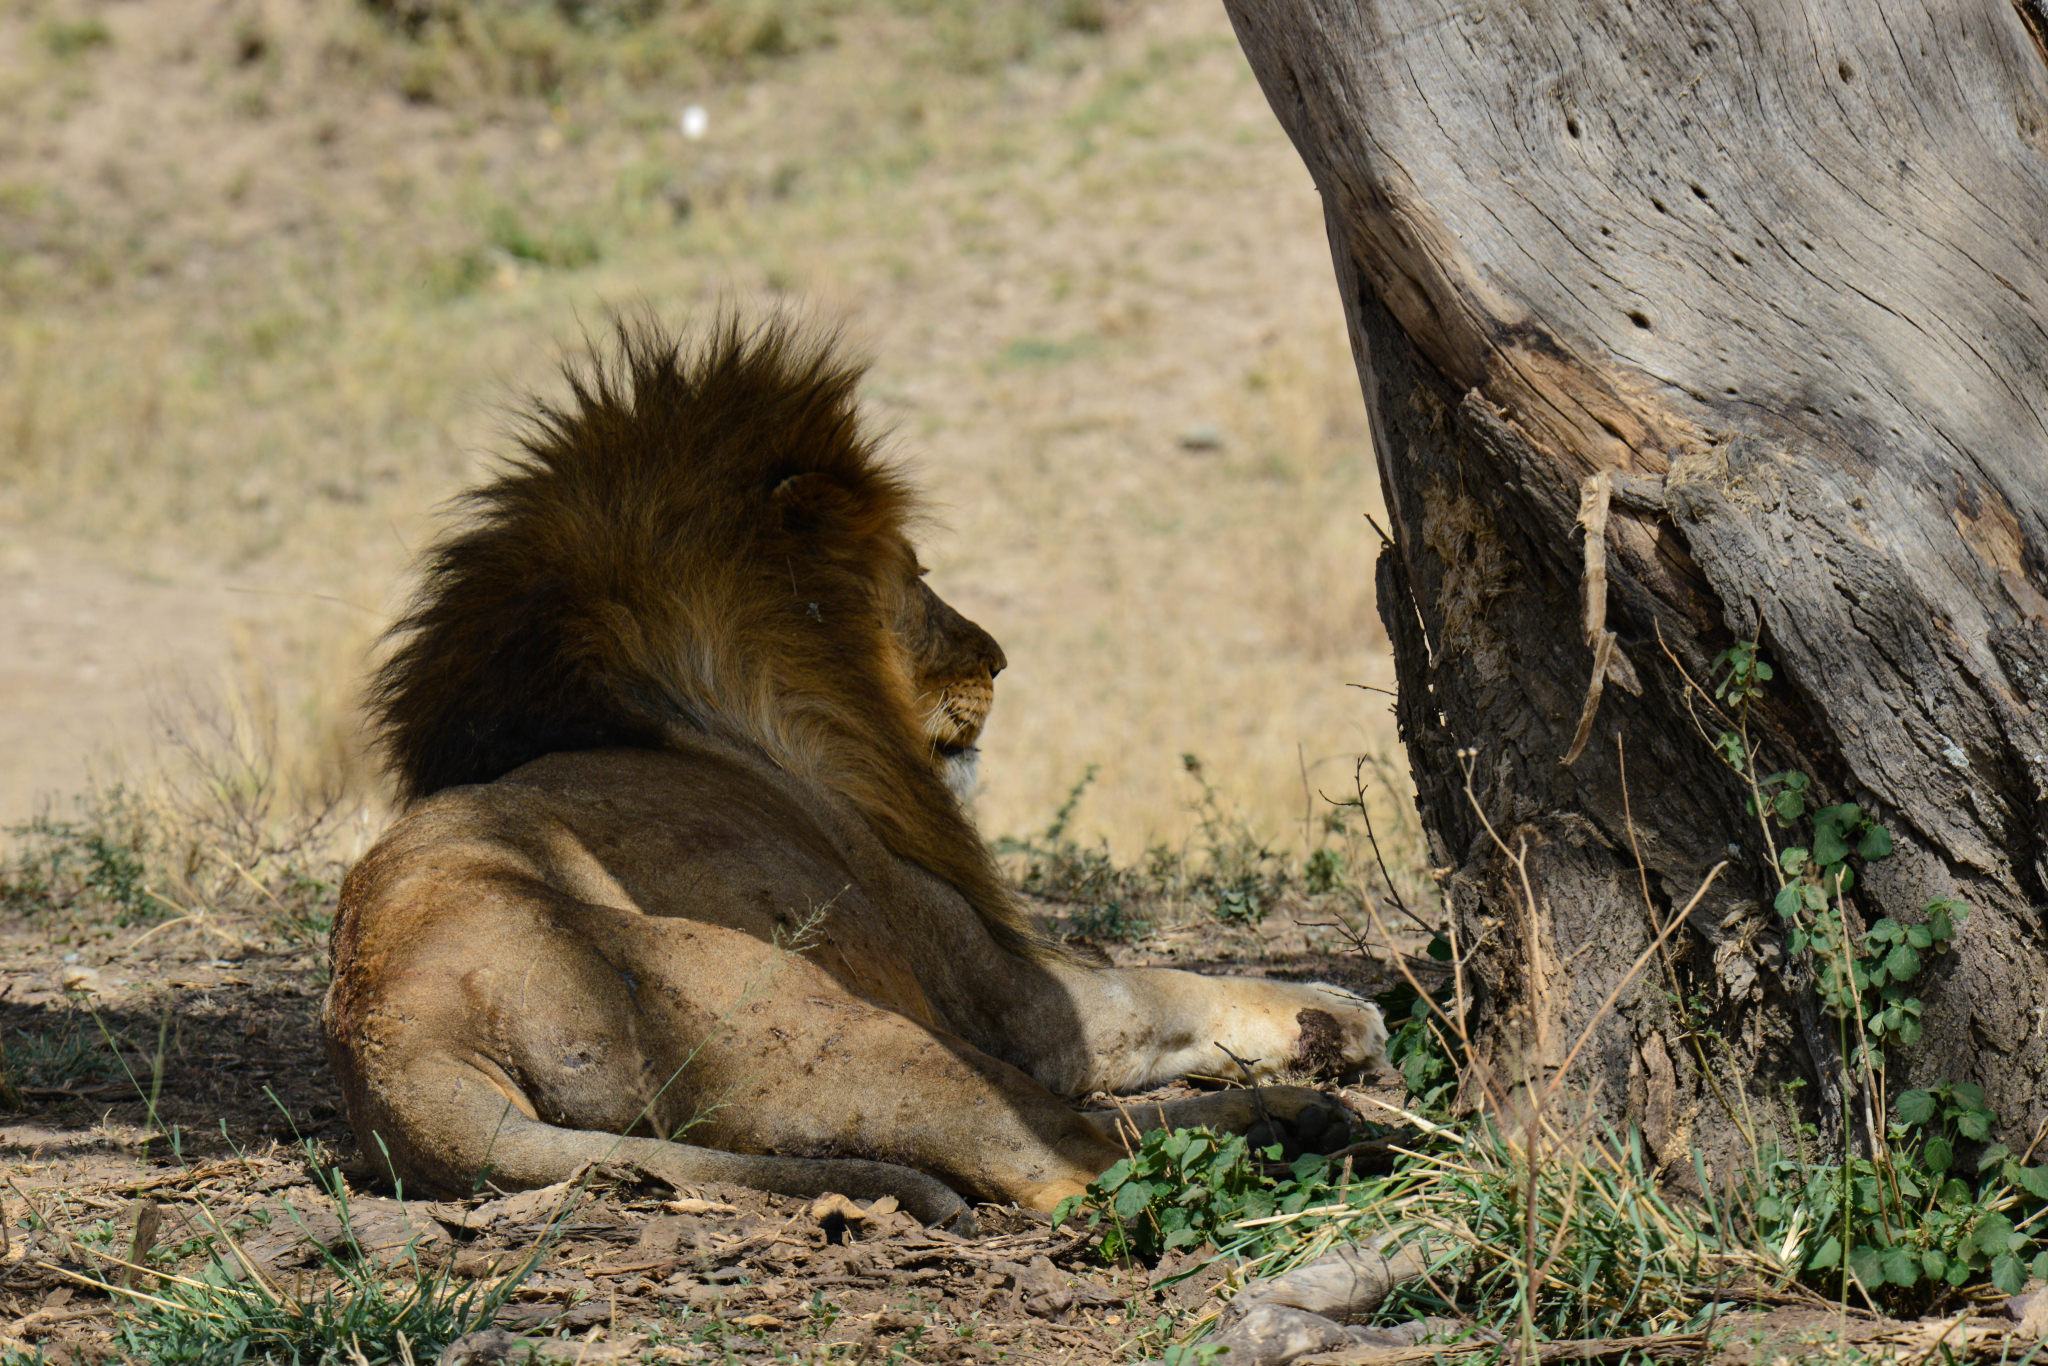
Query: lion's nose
point(987, 653)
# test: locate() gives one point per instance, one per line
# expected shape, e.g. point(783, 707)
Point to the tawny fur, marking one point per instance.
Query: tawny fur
point(674, 692)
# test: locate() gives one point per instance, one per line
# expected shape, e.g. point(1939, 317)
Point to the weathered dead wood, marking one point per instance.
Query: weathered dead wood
point(1782, 269)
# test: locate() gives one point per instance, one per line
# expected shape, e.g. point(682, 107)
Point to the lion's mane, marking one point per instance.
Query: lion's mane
point(697, 540)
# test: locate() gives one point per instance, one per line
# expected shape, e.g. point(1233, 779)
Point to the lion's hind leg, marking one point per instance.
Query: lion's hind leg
point(479, 1138)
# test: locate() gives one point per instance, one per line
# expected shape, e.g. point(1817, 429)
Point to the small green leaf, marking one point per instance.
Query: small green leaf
point(1974, 1125)
point(2007, 1274)
point(1939, 1155)
point(1788, 806)
point(1968, 1093)
point(1909, 1032)
point(1875, 844)
point(1902, 962)
point(1793, 859)
point(2032, 1180)
point(1788, 900)
point(1884, 931)
point(1829, 847)
point(1065, 1208)
point(1916, 1107)
point(1935, 1263)
point(1760, 672)
point(1816, 896)
point(1869, 1268)
point(1827, 1255)
point(1795, 941)
point(1919, 937)
point(1991, 1234)
point(1901, 1267)
point(2038, 1268)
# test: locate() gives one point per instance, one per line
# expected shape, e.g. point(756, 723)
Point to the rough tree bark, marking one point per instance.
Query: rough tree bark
point(1779, 269)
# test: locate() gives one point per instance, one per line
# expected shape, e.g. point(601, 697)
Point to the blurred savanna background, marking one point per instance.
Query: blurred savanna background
point(274, 273)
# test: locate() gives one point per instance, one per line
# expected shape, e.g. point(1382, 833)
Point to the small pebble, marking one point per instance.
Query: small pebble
point(79, 979)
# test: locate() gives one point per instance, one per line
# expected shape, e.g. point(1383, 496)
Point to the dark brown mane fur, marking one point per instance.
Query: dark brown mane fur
point(699, 540)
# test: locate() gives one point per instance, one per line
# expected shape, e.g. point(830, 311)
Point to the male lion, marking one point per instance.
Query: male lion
point(680, 725)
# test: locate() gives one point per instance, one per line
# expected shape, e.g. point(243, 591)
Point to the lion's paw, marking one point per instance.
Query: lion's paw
point(1300, 1121)
point(1341, 1033)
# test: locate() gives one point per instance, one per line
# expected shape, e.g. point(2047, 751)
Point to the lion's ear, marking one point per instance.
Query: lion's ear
point(809, 504)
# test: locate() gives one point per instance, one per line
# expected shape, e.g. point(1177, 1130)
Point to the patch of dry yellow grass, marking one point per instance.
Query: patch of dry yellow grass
point(264, 314)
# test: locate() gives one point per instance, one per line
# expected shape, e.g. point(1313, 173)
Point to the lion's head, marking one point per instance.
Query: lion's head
point(704, 540)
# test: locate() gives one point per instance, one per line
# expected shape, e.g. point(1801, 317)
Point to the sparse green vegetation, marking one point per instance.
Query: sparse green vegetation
point(102, 856)
point(564, 248)
point(1547, 1231)
point(1900, 1222)
point(359, 1313)
point(68, 1055)
point(1227, 871)
point(219, 836)
point(70, 37)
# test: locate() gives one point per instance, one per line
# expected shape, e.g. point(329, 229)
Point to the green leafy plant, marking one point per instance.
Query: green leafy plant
point(1861, 978)
point(1324, 870)
point(1189, 1186)
point(1238, 875)
point(1418, 1043)
point(1903, 1225)
point(1900, 1222)
point(1742, 673)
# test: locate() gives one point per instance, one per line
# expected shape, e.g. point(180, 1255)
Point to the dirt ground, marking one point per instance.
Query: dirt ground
point(212, 1027)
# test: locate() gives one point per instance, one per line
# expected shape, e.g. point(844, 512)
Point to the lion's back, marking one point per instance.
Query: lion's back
point(693, 832)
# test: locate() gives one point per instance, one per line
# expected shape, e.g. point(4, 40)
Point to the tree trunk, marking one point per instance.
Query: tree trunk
point(1777, 270)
